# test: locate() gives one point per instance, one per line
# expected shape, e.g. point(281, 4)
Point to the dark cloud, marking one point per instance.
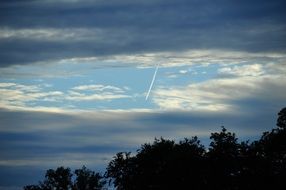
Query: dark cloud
point(40, 134)
point(142, 26)
point(32, 142)
point(138, 14)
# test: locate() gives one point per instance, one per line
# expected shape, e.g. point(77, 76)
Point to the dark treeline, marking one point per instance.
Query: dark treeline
point(164, 164)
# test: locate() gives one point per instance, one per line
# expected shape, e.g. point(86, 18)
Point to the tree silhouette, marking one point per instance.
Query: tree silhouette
point(223, 158)
point(227, 164)
point(120, 168)
point(164, 164)
point(224, 144)
point(87, 179)
point(272, 150)
point(281, 121)
point(160, 165)
point(61, 179)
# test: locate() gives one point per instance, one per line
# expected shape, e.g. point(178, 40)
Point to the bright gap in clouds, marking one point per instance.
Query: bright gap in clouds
point(192, 80)
point(77, 114)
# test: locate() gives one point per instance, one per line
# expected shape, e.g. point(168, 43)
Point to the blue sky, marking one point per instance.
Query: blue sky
point(74, 75)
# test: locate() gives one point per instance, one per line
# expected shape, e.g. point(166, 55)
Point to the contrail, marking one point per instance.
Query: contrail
point(151, 85)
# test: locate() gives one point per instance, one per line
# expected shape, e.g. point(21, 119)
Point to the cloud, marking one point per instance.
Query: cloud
point(101, 28)
point(65, 68)
point(36, 140)
point(36, 137)
point(248, 82)
point(98, 87)
point(75, 96)
point(183, 71)
point(96, 92)
point(245, 70)
point(19, 96)
point(44, 34)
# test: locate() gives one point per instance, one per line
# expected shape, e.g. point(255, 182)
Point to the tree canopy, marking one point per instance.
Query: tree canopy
point(61, 179)
point(226, 164)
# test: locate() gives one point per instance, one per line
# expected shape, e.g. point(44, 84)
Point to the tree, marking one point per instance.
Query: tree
point(33, 187)
point(163, 164)
point(87, 180)
point(281, 121)
point(224, 144)
point(224, 166)
point(272, 149)
point(61, 179)
point(121, 170)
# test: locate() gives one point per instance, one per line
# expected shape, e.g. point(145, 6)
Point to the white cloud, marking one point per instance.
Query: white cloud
point(183, 71)
point(19, 96)
point(98, 92)
point(5, 84)
point(221, 94)
point(13, 94)
point(175, 59)
point(244, 70)
point(102, 96)
point(98, 87)
point(194, 57)
point(79, 66)
point(51, 34)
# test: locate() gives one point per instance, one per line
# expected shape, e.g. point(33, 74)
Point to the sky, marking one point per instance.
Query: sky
point(75, 74)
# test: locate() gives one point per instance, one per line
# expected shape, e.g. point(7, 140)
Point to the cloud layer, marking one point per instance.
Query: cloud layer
point(35, 141)
point(235, 84)
point(70, 29)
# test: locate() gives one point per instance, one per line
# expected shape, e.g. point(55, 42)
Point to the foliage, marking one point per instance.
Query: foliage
point(226, 164)
point(281, 121)
point(61, 179)
point(164, 164)
point(87, 179)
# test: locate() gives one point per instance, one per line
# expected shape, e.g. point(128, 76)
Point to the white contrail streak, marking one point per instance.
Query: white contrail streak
point(151, 85)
